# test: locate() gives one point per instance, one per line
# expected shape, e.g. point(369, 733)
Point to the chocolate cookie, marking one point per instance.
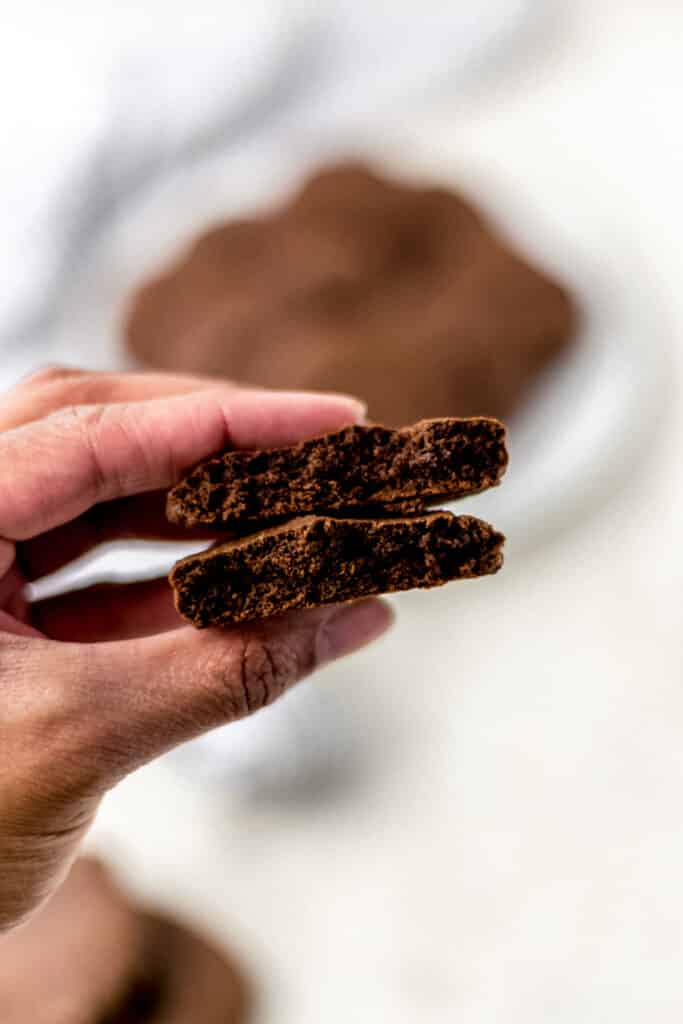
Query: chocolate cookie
point(317, 560)
point(370, 468)
point(80, 960)
point(401, 295)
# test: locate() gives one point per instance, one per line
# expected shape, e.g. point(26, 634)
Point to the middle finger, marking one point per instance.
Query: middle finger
point(140, 517)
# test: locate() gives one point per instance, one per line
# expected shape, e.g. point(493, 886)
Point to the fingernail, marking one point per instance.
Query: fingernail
point(351, 627)
point(358, 409)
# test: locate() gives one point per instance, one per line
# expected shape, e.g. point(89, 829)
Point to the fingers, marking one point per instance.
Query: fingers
point(142, 517)
point(53, 470)
point(78, 718)
point(145, 696)
point(55, 387)
point(12, 626)
point(108, 612)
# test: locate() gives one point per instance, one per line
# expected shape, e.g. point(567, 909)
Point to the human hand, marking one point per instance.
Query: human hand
point(97, 682)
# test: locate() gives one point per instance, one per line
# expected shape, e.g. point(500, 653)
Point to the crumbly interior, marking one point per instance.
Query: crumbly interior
point(317, 560)
point(373, 468)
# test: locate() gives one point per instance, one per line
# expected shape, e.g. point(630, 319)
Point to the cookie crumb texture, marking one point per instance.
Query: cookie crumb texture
point(318, 560)
point(372, 468)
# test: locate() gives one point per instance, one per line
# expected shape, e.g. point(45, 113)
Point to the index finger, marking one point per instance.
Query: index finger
point(53, 387)
point(54, 469)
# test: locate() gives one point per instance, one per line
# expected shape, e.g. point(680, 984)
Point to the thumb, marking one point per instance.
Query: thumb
point(78, 717)
point(148, 695)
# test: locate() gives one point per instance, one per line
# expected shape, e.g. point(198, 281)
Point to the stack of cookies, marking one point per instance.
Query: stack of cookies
point(337, 518)
point(400, 294)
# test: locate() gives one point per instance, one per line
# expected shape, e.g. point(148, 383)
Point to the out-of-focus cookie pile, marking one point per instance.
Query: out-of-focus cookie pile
point(403, 295)
point(91, 956)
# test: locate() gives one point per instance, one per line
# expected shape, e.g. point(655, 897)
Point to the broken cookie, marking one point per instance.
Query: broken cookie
point(368, 468)
point(337, 518)
point(318, 560)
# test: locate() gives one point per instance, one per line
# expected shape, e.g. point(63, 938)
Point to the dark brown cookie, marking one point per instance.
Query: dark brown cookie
point(317, 560)
point(79, 960)
point(403, 296)
point(371, 468)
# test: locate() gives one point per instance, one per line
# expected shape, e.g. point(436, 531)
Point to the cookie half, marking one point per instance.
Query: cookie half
point(318, 560)
point(370, 468)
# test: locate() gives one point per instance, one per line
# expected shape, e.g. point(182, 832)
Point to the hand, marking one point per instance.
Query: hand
point(97, 682)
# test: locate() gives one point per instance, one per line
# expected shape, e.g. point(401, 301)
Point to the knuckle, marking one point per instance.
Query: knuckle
point(83, 425)
point(76, 414)
point(256, 672)
point(86, 389)
point(86, 421)
point(66, 386)
point(267, 668)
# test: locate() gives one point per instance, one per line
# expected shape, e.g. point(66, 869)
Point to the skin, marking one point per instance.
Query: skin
point(96, 683)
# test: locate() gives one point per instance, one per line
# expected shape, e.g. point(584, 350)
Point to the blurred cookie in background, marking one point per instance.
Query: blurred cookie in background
point(403, 295)
point(79, 960)
point(90, 956)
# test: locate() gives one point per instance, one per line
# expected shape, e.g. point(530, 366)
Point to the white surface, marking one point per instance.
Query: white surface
point(515, 852)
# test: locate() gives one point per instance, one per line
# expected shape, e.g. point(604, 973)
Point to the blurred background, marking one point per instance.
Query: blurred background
point(478, 819)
